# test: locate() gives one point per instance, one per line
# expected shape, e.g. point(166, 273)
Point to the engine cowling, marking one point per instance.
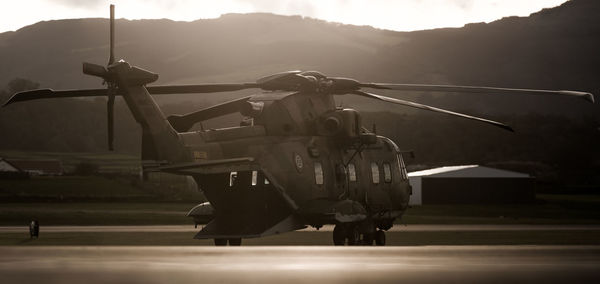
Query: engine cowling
point(342, 122)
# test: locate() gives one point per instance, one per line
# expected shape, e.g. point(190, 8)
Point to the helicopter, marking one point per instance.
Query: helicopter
point(296, 159)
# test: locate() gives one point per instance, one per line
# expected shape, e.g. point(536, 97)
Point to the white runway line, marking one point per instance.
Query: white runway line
point(326, 228)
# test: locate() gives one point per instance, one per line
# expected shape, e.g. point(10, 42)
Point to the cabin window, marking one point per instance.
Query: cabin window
point(232, 178)
point(318, 173)
point(402, 167)
point(375, 172)
point(351, 172)
point(387, 172)
point(254, 178)
point(299, 163)
point(267, 181)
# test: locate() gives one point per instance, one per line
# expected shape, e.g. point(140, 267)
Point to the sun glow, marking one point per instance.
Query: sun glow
point(386, 14)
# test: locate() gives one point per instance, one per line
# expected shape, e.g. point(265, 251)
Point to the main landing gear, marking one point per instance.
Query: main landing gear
point(350, 234)
point(232, 242)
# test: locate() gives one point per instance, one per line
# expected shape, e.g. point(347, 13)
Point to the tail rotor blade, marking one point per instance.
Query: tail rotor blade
point(110, 107)
point(111, 58)
point(112, 88)
point(95, 70)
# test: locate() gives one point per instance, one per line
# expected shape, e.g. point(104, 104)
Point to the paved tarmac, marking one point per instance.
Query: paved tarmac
point(326, 228)
point(283, 264)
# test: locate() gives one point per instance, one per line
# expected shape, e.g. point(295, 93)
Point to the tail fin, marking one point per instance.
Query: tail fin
point(160, 141)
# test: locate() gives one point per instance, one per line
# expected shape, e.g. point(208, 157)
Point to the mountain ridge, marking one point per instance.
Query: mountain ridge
point(551, 49)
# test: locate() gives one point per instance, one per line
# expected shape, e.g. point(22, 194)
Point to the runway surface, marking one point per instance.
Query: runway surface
point(283, 264)
point(326, 228)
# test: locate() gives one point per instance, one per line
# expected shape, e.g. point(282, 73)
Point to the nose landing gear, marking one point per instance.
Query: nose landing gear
point(232, 242)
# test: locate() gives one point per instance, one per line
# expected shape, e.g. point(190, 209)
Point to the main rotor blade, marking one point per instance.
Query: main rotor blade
point(203, 88)
point(51, 94)
point(430, 108)
point(154, 90)
point(183, 123)
point(474, 89)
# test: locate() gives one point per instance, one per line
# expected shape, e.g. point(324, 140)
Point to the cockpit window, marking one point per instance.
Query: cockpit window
point(318, 173)
point(387, 172)
point(375, 172)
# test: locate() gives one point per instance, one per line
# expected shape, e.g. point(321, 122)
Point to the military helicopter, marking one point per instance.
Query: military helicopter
point(296, 160)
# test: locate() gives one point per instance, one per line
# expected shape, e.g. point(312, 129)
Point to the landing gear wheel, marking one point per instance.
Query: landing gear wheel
point(220, 242)
point(235, 242)
point(368, 239)
point(339, 235)
point(353, 236)
point(380, 238)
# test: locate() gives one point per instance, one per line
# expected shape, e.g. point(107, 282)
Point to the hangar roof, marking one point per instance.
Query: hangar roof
point(6, 166)
point(474, 171)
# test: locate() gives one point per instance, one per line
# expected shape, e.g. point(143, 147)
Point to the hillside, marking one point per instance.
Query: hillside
point(554, 49)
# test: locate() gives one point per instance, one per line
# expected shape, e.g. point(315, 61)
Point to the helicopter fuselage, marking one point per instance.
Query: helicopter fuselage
point(296, 173)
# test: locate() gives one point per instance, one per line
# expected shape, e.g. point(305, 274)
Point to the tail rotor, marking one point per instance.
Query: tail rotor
point(111, 84)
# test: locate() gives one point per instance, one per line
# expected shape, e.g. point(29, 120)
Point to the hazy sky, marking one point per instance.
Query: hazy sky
point(400, 15)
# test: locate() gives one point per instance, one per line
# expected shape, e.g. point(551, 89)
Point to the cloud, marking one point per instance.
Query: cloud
point(79, 4)
point(287, 7)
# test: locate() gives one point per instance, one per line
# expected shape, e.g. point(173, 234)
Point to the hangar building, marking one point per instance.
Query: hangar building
point(472, 184)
